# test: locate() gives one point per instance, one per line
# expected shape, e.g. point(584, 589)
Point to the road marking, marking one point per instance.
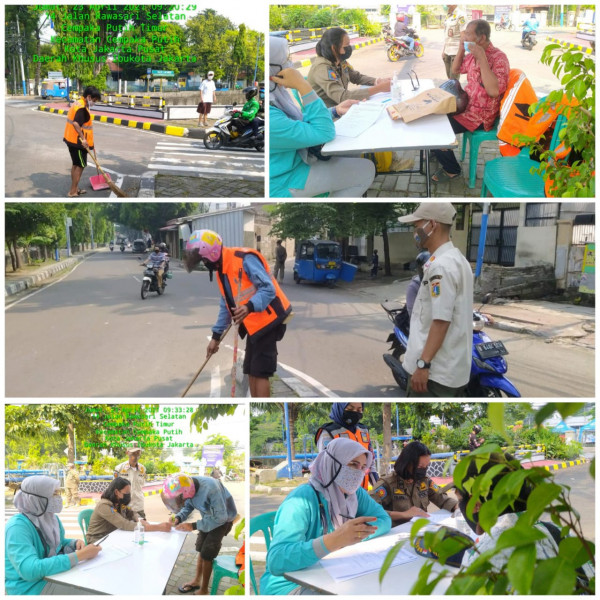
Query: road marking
point(215, 382)
point(241, 174)
point(118, 183)
point(138, 280)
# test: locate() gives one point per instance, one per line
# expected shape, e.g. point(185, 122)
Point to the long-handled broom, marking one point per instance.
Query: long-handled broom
point(111, 184)
point(236, 338)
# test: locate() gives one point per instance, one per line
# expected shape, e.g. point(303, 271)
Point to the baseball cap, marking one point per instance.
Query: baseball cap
point(442, 212)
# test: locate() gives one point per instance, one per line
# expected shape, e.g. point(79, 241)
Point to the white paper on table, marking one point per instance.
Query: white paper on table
point(365, 557)
point(435, 517)
point(443, 517)
point(358, 119)
point(107, 554)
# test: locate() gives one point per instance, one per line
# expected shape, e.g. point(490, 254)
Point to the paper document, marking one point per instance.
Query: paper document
point(358, 119)
point(436, 517)
point(365, 557)
point(107, 554)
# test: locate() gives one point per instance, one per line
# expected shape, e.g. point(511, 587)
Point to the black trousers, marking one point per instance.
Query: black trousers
point(446, 158)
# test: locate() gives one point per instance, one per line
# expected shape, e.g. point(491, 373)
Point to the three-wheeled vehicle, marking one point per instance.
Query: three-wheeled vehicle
point(321, 261)
point(54, 88)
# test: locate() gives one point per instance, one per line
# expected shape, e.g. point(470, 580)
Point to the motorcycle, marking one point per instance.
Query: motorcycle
point(507, 26)
point(488, 366)
point(150, 282)
point(222, 133)
point(122, 247)
point(397, 48)
point(111, 246)
point(529, 40)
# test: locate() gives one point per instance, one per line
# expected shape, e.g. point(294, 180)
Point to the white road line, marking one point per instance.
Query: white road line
point(160, 167)
point(257, 158)
point(215, 382)
point(201, 162)
point(118, 183)
point(138, 280)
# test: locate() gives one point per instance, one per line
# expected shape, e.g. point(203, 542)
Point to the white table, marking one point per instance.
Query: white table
point(397, 581)
point(427, 133)
point(144, 572)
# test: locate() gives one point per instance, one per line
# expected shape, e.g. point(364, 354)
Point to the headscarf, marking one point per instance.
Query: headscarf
point(40, 509)
point(325, 469)
point(337, 412)
point(280, 97)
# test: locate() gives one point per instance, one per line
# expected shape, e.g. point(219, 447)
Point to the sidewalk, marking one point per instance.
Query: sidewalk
point(182, 186)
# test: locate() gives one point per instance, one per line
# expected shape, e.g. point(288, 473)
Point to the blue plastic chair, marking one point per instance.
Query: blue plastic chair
point(475, 139)
point(264, 523)
point(223, 566)
point(510, 177)
point(83, 518)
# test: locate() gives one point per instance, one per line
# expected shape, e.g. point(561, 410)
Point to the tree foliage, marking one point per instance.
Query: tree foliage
point(205, 413)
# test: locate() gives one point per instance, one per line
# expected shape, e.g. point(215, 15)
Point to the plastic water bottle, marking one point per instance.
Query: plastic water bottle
point(397, 87)
point(138, 534)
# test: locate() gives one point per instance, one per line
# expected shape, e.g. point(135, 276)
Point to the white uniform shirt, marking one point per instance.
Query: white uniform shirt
point(455, 23)
point(446, 294)
point(136, 477)
point(207, 89)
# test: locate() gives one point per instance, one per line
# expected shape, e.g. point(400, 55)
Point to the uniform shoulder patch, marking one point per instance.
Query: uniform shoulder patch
point(381, 492)
point(436, 289)
point(461, 20)
point(434, 486)
point(423, 485)
point(435, 277)
point(399, 491)
point(332, 74)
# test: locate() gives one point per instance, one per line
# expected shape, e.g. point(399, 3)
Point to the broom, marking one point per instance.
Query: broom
point(111, 184)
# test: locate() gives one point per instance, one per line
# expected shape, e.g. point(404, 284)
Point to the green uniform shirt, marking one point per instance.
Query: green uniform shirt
point(250, 109)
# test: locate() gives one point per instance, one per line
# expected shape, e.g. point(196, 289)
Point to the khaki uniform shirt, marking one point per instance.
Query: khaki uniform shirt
point(72, 479)
point(455, 24)
point(446, 294)
point(395, 494)
point(105, 519)
point(136, 478)
point(331, 81)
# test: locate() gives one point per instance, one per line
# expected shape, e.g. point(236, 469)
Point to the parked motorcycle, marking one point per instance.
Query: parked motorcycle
point(488, 366)
point(150, 282)
point(506, 26)
point(530, 40)
point(222, 133)
point(397, 48)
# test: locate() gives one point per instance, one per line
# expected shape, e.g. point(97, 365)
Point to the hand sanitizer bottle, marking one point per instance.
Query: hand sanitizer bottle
point(138, 534)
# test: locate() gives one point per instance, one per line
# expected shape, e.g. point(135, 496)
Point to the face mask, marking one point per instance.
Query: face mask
point(126, 499)
point(210, 76)
point(347, 53)
point(350, 417)
point(420, 473)
point(55, 505)
point(466, 45)
point(420, 236)
point(462, 505)
point(349, 479)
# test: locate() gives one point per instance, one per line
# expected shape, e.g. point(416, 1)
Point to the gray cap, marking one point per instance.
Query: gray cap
point(442, 212)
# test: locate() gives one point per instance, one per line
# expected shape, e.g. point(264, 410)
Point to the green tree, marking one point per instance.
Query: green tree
point(238, 54)
point(205, 413)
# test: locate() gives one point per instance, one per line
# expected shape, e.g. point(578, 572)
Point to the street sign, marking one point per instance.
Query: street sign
point(158, 73)
point(148, 71)
point(55, 75)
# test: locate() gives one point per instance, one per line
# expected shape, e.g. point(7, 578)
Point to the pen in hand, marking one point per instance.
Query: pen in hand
point(101, 540)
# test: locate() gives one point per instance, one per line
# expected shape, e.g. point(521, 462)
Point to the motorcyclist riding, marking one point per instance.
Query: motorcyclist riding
point(242, 119)
point(165, 249)
point(111, 245)
point(401, 31)
point(532, 24)
point(158, 259)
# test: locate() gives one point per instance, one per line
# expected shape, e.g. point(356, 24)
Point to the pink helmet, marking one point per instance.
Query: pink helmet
point(208, 243)
point(176, 490)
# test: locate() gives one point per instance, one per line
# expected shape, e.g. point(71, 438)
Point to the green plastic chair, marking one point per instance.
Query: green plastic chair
point(83, 518)
point(510, 177)
point(223, 566)
point(264, 523)
point(475, 139)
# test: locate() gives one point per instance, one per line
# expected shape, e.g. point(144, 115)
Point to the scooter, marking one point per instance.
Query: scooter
point(488, 366)
point(222, 133)
point(122, 247)
point(507, 25)
point(397, 48)
point(529, 40)
point(150, 282)
point(111, 246)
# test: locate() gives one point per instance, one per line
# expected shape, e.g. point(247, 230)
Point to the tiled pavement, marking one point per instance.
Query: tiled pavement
point(177, 186)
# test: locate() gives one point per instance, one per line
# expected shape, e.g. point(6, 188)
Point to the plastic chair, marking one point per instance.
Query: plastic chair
point(510, 177)
point(475, 139)
point(83, 518)
point(223, 566)
point(264, 523)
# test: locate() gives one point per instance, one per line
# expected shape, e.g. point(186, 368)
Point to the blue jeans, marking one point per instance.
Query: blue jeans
point(410, 41)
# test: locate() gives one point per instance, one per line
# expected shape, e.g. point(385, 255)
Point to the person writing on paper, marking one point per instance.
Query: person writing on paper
point(296, 132)
point(407, 492)
point(329, 512)
point(487, 70)
point(35, 543)
point(113, 512)
point(331, 73)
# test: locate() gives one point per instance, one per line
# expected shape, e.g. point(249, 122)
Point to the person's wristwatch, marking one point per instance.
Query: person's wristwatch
point(421, 364)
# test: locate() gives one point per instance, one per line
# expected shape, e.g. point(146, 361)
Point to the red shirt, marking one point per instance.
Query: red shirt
point(483, 108)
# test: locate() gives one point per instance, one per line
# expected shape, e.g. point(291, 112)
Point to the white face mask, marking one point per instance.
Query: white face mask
point(349, 479)
point(210, 76)
point(55, 505)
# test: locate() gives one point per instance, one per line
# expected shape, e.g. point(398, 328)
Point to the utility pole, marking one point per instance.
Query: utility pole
point(21, 59)
point(91, 228)
point(68, 223)
point(482, 237)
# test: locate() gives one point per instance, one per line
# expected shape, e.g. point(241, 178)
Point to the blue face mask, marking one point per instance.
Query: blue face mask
point(466, 44)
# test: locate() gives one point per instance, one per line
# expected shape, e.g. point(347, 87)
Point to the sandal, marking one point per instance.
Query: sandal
point(79, 193)
point(187, 588)
point(442, 176)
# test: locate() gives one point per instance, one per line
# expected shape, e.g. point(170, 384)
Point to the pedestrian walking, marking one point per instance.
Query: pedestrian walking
point(454, 25)
point(135, 473)
point(207, 97)
point(374, 263)
point(280, 258)
point(72, 486)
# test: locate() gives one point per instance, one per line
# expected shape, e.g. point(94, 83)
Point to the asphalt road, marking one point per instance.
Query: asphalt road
point(91, 335)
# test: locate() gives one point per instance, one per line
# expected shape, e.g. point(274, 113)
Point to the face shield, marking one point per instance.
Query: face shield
point(173, 504)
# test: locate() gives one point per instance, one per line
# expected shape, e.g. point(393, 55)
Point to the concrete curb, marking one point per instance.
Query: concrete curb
point(10, 289)
point(570, 45)
point(309, 61)
point(156, 127)
point(566, 464)
point(147, 185)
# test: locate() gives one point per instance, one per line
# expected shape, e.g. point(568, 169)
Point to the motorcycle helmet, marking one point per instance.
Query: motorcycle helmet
point(477, 428)
point(250, 92)
point(163, 246)
point(204, 245)
point(420, 261)
point(176, 490)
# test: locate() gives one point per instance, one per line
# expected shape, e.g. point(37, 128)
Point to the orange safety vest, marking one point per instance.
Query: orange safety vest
point(240, 292)
point(361, 435)
point(71, 136)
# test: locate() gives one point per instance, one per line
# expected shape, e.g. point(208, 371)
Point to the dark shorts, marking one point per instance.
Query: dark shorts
point(78, 156)
point(204, 108)
point(208, 543)
point(261, 354)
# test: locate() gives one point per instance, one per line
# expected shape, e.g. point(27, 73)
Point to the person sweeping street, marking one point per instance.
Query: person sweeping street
point(79, 136)
point(261, 312)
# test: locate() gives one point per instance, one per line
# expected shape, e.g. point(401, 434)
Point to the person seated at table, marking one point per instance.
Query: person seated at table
point(331, 73)
point(329, 512)
point(35, 543)
point(487, 72)
point(295, 132)
point(113, 512)
point(407, 492)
